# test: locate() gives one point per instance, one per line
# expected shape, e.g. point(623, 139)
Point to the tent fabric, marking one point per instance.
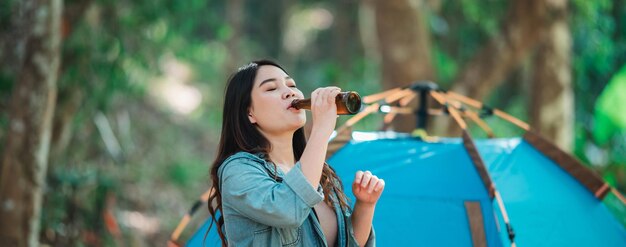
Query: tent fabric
point(546, 206)
point(429, 184)
point(591, 180)
point(212, 238)
point(471, 149)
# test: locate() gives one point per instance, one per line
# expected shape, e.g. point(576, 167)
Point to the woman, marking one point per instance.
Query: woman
point(273, 187)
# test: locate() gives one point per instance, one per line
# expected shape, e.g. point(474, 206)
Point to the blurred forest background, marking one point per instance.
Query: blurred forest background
point(110, 111)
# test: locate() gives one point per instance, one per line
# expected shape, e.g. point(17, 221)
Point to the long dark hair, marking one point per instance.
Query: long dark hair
point(239, 134)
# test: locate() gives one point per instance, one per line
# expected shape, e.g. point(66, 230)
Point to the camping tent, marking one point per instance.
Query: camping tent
point(466, 192)
point(435, 196)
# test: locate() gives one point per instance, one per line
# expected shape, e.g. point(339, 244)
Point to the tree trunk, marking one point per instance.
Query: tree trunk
point(404, 44)
point(551, 96)
point(235, 16)
point(523, 28)
point(67, 105)
point(70, 98)
point(346, 38)
point(25, 156)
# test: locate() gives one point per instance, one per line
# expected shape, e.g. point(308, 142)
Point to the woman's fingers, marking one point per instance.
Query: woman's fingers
point(329, 95)
point(324, 95)
point(380, 185)
point(315, 96)
point(367, 181)
point(367, 188)
point(367, 175)
point(358, 177)
point(373, 182)
point(332, 94)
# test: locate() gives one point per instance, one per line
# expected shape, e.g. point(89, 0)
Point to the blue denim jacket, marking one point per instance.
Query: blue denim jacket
point(262, 206)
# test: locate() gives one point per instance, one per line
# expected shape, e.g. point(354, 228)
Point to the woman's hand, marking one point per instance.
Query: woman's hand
point(367, 188)
point(324, 109)
point(324, 112)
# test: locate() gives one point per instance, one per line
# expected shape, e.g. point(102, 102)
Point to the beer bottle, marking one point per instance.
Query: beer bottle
point(348, 103)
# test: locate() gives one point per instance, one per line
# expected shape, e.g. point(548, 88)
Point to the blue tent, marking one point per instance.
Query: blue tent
point(433, 187)
point(429, 186)
point(464, 192)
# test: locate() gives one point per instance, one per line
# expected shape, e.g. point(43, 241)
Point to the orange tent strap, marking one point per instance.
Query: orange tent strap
point(453, 111)
point(398, 95)
point(477, 104)
point(405, 101)
point(512, 119)
point(371, 108)
point(185, 220)
point(399, 110)
point(466, 100)
point(619, 195)
point(379, 96)
point(389, 117)
point(471, 115)
point(474, 117)
point(455, 114)
point(602, 190)
point(181, 226)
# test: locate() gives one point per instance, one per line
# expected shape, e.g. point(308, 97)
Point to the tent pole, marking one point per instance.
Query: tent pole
point(505, 216)
point(204, 198)
point(453, 111)
point(423, 88)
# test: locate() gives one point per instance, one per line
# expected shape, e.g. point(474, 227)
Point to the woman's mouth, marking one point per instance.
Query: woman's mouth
point(293, 109)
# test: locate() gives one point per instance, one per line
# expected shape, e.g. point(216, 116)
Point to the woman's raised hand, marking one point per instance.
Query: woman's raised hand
point(367, 187)
point(324, 109)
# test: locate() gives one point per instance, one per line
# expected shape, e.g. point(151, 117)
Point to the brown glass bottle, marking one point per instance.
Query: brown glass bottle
point(348, 103)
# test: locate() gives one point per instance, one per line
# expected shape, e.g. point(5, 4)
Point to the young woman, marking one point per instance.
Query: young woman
point(273, 187)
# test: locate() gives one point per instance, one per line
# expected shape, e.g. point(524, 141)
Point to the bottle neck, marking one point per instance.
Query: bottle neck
point(301, 104)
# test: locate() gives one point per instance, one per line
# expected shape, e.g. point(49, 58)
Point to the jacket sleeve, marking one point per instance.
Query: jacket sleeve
point(248, 189)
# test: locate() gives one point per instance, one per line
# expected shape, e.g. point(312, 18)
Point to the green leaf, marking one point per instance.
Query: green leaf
point(609, 117)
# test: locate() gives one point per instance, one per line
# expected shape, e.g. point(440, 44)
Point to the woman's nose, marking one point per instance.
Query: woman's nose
point(289, 94)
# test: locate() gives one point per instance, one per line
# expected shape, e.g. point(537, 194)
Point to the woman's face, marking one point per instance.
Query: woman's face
point(272, 93)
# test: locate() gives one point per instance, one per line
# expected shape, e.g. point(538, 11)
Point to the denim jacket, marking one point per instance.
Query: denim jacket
point(262, 206)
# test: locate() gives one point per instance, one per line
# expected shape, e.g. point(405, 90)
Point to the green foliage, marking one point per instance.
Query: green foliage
point(6, 9)
point(599, 51)
point(446, 66)
point(459, 30)
point(483, 14)
point(185, 172)
point(609, 117)
point(74, 203)
point(596, 53)
point(616, 206)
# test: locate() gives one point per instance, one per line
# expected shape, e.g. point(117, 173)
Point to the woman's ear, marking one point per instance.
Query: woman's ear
point(251, 118)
